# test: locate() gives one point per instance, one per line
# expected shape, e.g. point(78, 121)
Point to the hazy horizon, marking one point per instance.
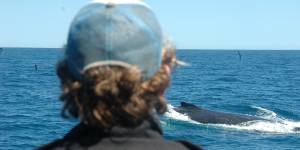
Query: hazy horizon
point(176, 49)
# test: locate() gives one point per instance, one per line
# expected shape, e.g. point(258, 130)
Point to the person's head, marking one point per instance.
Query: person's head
point(116, 68)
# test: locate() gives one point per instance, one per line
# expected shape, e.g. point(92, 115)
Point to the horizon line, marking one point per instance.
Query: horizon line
point(233, 49)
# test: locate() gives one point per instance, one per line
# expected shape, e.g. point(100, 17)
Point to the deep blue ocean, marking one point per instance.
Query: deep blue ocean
point(265, 84)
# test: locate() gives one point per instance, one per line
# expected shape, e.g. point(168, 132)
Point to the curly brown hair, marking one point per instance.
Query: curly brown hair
point(107, 96)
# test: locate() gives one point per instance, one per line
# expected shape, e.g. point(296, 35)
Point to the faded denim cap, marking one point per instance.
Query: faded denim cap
point(114, 33)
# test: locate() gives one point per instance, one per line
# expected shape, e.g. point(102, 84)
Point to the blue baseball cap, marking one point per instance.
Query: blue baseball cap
point(114, 33)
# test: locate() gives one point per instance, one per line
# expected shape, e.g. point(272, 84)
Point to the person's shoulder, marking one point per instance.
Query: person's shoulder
point(55, 145)
point(189, 145)
point(172, 145)
point(181, 145)
point(152, 144)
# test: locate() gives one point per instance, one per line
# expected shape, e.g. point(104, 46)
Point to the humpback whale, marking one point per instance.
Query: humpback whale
point(213, 117)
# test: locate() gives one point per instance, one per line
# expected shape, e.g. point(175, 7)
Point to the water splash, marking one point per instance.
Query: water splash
point(173, 114)
point(265, 113)
point(273, 124)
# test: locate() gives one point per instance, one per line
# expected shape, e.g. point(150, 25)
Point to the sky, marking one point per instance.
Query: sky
point(191, 24)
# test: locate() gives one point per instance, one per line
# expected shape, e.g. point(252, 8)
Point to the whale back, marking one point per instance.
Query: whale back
point(188, 105)
point(209, 116)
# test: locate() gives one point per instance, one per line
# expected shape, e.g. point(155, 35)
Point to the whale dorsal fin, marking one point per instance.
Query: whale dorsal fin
point(188, 105)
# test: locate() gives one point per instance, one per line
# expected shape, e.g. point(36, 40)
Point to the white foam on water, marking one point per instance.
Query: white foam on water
point(173, 114)
point(285, 127)
point(163, 122)
point(273, 124)
point(266, 114)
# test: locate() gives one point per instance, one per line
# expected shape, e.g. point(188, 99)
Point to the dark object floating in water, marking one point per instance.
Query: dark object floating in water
point(240, 55)
point(35, 66)
point(213, 117)
point(297, 129)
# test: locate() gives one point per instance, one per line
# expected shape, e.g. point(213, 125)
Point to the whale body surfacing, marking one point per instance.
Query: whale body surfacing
point(213, 117)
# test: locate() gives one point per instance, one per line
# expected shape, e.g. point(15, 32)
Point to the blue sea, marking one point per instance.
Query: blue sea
point(265, 84)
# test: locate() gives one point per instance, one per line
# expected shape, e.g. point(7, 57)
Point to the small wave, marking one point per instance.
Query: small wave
point(221, 89)
point(163, 122)
point(273, 124)
point(228, 79)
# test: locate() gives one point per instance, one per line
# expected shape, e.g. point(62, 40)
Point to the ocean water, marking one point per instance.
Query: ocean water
point(262, 83)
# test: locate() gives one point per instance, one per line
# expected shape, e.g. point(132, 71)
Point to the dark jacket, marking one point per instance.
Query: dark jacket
point(147, 136)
